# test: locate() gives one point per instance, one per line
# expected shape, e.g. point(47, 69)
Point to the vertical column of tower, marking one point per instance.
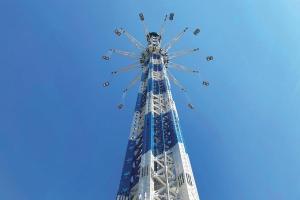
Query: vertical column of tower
point(146, 184)
point(185, 178)
point(128, 187)
point(173, 174)
point(165, 174)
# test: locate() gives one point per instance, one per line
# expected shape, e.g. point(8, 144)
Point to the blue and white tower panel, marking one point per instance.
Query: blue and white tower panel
point(156, 166)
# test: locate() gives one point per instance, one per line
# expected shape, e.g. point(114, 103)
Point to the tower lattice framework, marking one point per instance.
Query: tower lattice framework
point(156, 166)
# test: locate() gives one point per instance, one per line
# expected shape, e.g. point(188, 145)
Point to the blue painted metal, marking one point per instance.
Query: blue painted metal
point(148, 133)
point(125, 186)
point(160, 131)
point(141, 101)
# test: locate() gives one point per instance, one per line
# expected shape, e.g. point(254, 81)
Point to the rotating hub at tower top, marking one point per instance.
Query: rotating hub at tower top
point(153, 47)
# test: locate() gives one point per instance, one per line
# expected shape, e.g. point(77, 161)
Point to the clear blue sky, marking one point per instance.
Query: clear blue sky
point(62, 138)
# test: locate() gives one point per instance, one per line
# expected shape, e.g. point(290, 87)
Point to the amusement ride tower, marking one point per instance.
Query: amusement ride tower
point(156, 165)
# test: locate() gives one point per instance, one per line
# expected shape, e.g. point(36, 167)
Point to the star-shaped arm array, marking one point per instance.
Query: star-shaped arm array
point(168, 62)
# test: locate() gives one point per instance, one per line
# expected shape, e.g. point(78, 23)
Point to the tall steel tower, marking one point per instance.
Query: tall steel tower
point(156, 166)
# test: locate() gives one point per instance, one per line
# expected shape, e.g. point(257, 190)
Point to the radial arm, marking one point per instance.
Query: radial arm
point(182, 68)
point(132, 83)
point(132, 39)
point(142, 18)
point(176, 82)
point(162, 28)
point(175, 39)
point(182, 53)
point(124, 53)
point(125, 69)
